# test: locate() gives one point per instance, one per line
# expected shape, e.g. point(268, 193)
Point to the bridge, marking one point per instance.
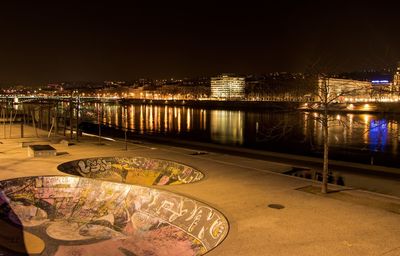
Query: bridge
point(35, 98)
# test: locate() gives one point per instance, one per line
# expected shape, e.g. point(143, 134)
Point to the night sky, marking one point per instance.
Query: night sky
point(42, 42)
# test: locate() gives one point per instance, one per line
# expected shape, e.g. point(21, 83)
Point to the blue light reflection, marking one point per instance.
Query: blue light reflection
point(378, 133)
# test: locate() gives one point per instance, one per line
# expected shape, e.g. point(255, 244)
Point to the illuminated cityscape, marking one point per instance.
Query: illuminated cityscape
point(270, 87)
point(188, 129)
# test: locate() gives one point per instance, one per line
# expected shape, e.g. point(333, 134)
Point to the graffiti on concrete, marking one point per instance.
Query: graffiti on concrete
point(94, 165)
point(133, 170)
point(59, 215)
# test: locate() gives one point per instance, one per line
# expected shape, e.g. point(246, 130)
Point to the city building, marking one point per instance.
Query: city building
point(345, 90)
point(396, 79)
point(228, 87)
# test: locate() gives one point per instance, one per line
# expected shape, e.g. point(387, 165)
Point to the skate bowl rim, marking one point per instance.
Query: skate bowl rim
point(171, 194)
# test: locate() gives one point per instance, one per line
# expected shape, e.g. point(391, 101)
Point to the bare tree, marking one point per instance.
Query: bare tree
point(327, 95)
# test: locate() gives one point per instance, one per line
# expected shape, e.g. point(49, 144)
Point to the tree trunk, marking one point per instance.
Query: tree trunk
point(324, 187)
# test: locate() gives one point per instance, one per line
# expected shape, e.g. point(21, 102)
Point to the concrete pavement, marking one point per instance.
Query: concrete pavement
point(242, 188)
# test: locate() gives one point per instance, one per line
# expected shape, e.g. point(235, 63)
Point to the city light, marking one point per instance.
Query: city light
point(380, 81)
point(268, 128)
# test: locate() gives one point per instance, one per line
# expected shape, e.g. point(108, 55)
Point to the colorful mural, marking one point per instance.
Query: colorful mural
point(63, 215)
point(133, 170)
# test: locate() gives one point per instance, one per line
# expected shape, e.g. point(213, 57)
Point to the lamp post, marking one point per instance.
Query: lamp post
point(77, 115)
point(98, 120)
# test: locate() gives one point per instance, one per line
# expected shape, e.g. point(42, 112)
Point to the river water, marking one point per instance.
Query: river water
point(364, 138)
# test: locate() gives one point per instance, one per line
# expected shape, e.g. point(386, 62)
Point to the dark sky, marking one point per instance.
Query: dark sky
point(50, 41)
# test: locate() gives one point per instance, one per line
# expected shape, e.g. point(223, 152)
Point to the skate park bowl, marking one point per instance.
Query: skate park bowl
point(133, 170)
point(67, 215)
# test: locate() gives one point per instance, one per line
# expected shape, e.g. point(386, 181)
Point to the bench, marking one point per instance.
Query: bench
point(41, 151)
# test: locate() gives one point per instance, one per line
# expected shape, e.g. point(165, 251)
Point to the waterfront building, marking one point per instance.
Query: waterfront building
point(228, 87)
point(396, 79)
point(387, 87)
point(344, 90)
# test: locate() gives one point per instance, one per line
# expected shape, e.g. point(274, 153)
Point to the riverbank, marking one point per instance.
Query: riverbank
point(218, 135)
point(359, 107)
point(376, 178)
point(372, 178)
point(356, 108)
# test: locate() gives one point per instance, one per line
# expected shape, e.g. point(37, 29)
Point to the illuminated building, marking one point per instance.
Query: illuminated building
point(382, 90)
point(344, 90)
point(396, 79)
point(227, 87)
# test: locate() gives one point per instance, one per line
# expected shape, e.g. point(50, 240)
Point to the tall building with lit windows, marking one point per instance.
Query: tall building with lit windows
point(228, 87)
point(396, 79)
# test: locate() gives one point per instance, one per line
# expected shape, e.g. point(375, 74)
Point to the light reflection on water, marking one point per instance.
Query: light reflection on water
point(262, 129)
point(227, 126)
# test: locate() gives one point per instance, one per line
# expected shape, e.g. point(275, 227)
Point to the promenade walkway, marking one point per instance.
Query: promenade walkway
point(345, 222)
